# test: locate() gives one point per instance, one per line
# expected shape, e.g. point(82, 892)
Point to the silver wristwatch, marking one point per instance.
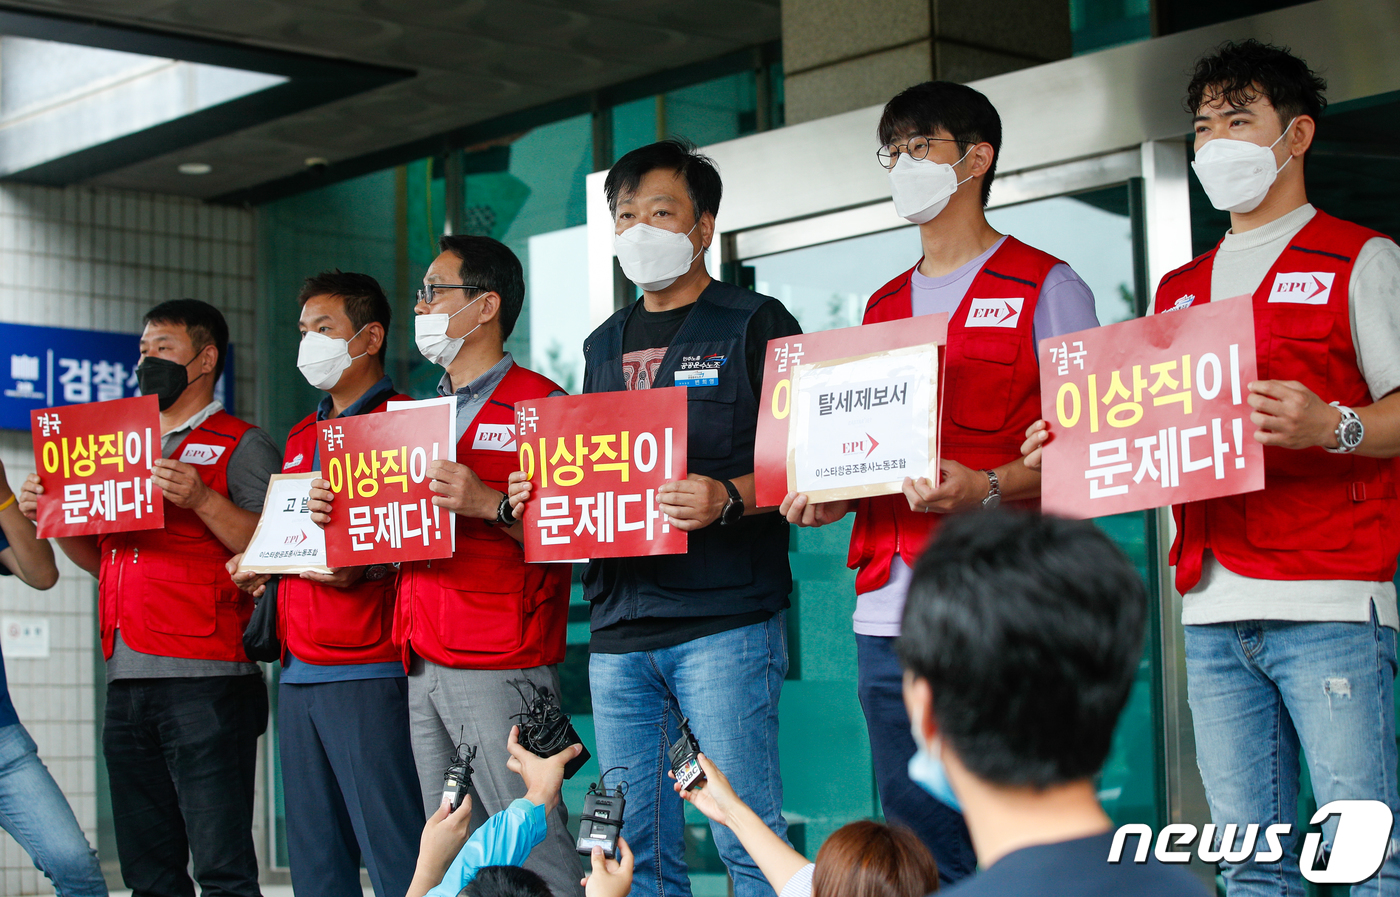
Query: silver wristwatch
point(1349, 431)
point(993, 492)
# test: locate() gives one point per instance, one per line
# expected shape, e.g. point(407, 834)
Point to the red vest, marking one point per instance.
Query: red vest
point(484, 608)
point(167, 590)
point(325, 625)
point(990, 395)
point(1320, 515)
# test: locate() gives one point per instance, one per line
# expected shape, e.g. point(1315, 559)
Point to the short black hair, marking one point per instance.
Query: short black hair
point(966, 114)
point(203, 322)
point(1029, 631)
point(362, 295)
point(490, 264)
point(1245, 71)
point(676, 154)
point(506, 881)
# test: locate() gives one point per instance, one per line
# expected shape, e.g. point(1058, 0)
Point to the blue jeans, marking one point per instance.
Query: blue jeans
point(939, 826)
point(1259, 690)
point(36, 814)
point(728, 684)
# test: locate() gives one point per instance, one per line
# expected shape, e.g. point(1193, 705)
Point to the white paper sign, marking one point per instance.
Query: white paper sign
point(286, 541)
point(861, 425)
point(24, 636)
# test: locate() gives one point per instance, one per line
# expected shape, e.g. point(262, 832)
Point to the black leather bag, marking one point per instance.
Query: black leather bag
point(260, 639)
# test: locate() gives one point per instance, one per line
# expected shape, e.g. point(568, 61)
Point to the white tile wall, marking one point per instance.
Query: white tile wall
point(99, 259)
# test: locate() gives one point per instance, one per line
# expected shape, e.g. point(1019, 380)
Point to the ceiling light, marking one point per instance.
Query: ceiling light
point(195, 168)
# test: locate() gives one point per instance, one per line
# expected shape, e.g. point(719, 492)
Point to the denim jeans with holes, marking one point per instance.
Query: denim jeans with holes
point(1261, 689)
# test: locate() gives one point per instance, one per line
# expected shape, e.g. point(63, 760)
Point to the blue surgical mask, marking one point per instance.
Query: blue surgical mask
point(926, 770)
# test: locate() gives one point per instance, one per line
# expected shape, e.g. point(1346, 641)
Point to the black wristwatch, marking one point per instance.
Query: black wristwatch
point(734, 508)
point(505, 516)
point(376, 572)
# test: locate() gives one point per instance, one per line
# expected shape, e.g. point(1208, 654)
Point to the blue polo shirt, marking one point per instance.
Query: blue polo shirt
point(297, 671)
point(8, 717)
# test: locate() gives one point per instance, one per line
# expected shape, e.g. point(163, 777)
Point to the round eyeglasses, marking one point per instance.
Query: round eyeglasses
point(917, 148)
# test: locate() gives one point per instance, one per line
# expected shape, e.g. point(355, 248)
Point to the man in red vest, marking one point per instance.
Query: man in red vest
point(185, 707)
point(471, 625)
point(1287, 598)
point(342, 703)
point(940, 143)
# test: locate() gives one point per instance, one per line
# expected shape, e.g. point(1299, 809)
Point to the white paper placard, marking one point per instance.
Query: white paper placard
point(861, 425)
point(286, 541)
point(24, 636)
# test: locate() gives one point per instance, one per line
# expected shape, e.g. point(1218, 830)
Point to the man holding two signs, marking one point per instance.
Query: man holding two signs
point(470, 624)
point(184, 706)
point(342, 703)
point(940, 142)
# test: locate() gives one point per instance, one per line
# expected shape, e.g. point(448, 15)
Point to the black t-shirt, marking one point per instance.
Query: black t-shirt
point(645, 339)
point(1079, 867)
point(649, 333)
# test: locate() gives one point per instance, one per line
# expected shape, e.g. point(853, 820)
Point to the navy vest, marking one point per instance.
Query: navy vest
point(728, 569)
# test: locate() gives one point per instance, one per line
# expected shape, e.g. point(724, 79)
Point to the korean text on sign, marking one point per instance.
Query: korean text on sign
point(861, 425)
point(596, 485)
point(1150, 412)
point(285, 540)
point(786, 354)
point(95, 463)
point(377, 465)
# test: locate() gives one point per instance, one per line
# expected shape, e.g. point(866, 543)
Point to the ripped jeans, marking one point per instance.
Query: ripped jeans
point(1261, 689)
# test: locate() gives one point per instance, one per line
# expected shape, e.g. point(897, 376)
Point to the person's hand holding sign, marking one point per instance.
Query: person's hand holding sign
point(692, 503)
point(319, 500)
point(802, 511)
point(1037, 434)
point(1290, 415)
point(253, 584)
point(518, 489)
point(461, 491)
point(180, 483)
point(960, 488)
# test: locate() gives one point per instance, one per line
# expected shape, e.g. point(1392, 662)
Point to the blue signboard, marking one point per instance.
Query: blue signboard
point(41, 367)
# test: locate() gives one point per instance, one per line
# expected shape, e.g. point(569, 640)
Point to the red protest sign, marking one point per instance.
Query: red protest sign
point(377, 465)
point(95, 461)
point(770, 457)
point(1150, 412)
point(595, 483)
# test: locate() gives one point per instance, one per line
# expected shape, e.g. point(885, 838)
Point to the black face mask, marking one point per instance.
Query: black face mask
point(166, 380)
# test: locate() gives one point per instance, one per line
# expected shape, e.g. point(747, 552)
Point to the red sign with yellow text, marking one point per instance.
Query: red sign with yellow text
point(377, 465)
point(770, 456)
point(596, 462)
point(1150, 412)
point(95, 462)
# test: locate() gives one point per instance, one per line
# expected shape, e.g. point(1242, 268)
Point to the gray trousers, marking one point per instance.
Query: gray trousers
point(445, 705)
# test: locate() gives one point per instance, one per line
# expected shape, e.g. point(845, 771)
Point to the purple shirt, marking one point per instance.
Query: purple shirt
point(1066, 304)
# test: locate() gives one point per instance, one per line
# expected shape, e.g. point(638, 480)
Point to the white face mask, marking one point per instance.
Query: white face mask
point(653, 258)
point(922, 187)
point(322, 359)
point(1237, 174)
point(430, 334)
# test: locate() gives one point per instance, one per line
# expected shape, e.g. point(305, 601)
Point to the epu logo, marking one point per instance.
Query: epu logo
point(1303, 288)
point(495, 437)
point(995, 312)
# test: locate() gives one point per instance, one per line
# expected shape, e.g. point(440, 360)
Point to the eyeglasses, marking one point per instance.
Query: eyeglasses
point(917, 148)
point(426, 296)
